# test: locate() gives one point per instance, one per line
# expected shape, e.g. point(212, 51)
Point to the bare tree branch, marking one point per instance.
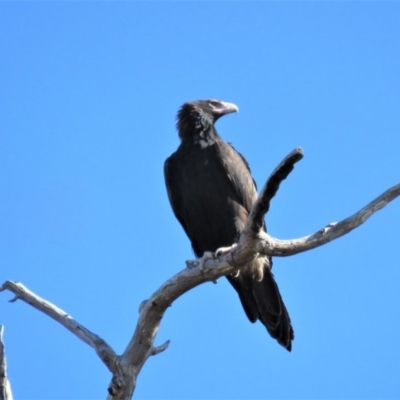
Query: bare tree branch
point(334, 230)
point(252, 242)
point(5, 387)
point(104, 351)
point(281, 172)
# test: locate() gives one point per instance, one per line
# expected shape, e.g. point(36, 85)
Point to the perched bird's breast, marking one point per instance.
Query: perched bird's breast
point(208, 200)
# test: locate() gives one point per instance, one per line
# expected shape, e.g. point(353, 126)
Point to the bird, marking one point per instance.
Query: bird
point(211, 192)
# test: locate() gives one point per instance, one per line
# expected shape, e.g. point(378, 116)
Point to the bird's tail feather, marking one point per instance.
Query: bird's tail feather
point(272, 310)
point(262, 300)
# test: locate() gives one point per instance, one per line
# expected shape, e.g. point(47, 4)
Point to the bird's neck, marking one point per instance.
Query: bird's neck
point(199, 133)
point(205, 136)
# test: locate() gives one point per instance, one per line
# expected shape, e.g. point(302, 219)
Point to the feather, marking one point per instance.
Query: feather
point(211, 192)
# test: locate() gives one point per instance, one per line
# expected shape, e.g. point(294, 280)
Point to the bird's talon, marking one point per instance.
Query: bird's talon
point(206, 256)
point(224, 250)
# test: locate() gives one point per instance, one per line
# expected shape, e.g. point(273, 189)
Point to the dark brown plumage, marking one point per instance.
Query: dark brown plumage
point(211, 192)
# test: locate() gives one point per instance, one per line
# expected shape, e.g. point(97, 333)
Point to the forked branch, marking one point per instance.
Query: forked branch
point(252, 242)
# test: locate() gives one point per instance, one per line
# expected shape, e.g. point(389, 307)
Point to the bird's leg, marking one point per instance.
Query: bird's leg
point(224, 250)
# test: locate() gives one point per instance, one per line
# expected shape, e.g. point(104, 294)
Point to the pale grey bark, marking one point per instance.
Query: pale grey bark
point(252, 243)
point(5, 387)
point(104, 351)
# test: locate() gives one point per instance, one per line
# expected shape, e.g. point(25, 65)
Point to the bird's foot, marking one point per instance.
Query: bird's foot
point(224, 250)
point(206, 256)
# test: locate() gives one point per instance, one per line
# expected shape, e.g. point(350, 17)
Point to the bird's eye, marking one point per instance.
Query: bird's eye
point(213, 103)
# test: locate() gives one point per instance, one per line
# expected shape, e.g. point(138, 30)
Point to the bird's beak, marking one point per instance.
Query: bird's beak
point(227, 108)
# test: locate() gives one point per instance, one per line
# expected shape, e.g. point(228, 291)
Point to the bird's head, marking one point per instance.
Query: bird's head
point(198, 116)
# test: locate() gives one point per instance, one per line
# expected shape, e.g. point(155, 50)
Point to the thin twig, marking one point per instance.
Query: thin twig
point(159, 349)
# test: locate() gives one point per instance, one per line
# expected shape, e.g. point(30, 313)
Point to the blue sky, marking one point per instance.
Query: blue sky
point(89, 94)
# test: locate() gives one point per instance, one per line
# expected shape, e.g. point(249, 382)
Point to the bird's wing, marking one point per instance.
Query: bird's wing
point(174, 196)
point(238, 172)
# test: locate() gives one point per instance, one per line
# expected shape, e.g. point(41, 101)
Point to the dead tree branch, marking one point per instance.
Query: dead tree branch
point(5, 387)
point(252, 242)
point(269, 245)
point(281, 172)
point(104, 351)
